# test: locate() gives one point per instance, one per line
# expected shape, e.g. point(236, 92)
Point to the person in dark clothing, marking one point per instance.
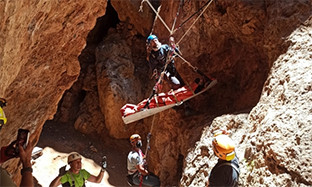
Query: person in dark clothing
point(226, 171)
point(161, 58)
point(160, 54)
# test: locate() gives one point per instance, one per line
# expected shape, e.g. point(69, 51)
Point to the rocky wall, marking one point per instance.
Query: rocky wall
point(40, 44)
point(237, 42)
point(273, 140)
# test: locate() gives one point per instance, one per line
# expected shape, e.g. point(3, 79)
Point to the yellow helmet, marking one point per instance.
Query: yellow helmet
point(3, 119)
point(224, 147)
point(134, 138)
point(3, 102)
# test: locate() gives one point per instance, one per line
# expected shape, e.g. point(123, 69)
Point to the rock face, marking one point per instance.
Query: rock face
point(273, 140)
point(259, 51)
point(40, 43)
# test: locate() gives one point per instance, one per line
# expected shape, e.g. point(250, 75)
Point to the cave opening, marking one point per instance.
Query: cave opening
point(69, 127)
point(86, 83)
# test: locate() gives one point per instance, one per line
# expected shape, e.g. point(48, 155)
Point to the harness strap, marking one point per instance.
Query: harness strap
point(73, 180)
point(188, 85)
point(156, 100)
point(175, 98)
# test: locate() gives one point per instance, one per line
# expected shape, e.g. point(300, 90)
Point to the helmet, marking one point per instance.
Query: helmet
point(134, 138)
point(150, 38)
point(3, 102)
point(223, 146)
point(73, 156)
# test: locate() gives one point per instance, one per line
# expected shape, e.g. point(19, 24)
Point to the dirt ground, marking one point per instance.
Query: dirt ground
point(58, 140)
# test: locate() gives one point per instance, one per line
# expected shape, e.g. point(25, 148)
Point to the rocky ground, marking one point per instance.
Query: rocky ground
point(57, 140)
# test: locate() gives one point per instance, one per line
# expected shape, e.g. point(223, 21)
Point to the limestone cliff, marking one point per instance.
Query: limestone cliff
point(260, 52)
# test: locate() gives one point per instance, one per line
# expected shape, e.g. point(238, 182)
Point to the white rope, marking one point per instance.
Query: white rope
point(195, 21)
point(175, 19)
point(163, 22)
point(188, 63)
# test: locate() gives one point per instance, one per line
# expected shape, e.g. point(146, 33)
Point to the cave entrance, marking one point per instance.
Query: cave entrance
point(69, 130)
point(74, 100)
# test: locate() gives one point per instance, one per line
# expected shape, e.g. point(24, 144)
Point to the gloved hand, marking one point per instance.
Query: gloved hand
point(104, 162)
point(62, 171)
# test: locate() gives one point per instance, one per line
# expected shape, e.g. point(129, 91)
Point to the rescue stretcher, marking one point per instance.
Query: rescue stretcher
point(163, 101)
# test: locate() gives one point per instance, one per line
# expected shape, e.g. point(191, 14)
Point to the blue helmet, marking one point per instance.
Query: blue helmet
point(150, 38)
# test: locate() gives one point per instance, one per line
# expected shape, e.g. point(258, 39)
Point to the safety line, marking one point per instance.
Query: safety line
point(194, 22)
point(170, 31)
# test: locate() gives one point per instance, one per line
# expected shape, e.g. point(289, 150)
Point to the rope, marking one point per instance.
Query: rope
point(178, 12)
point(187, 62)
point(190, 17)
point(175, 98)
point(157, 14)
point(195, 21)
point(153, 121)
point(149, 135)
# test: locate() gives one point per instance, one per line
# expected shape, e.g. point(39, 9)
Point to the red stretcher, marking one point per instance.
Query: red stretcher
point(163, 101)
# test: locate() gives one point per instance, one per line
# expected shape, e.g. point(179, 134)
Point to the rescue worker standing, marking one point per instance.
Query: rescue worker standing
point(75, 176)
point(137, 173)
point(226, 171)
point(158, 59)
point(3, 119)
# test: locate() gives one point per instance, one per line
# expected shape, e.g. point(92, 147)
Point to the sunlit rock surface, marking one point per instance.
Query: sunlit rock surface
point(260, 52)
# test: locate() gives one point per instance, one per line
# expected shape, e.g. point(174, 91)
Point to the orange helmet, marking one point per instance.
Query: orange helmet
point(134, 138)
point(224, 147)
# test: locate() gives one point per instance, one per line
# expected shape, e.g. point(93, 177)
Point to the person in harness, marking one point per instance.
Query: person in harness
point(75, 176)
point(136, 165)
point(226, 171)
point(3, 119)
point(158, 54)
point(160, 58)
